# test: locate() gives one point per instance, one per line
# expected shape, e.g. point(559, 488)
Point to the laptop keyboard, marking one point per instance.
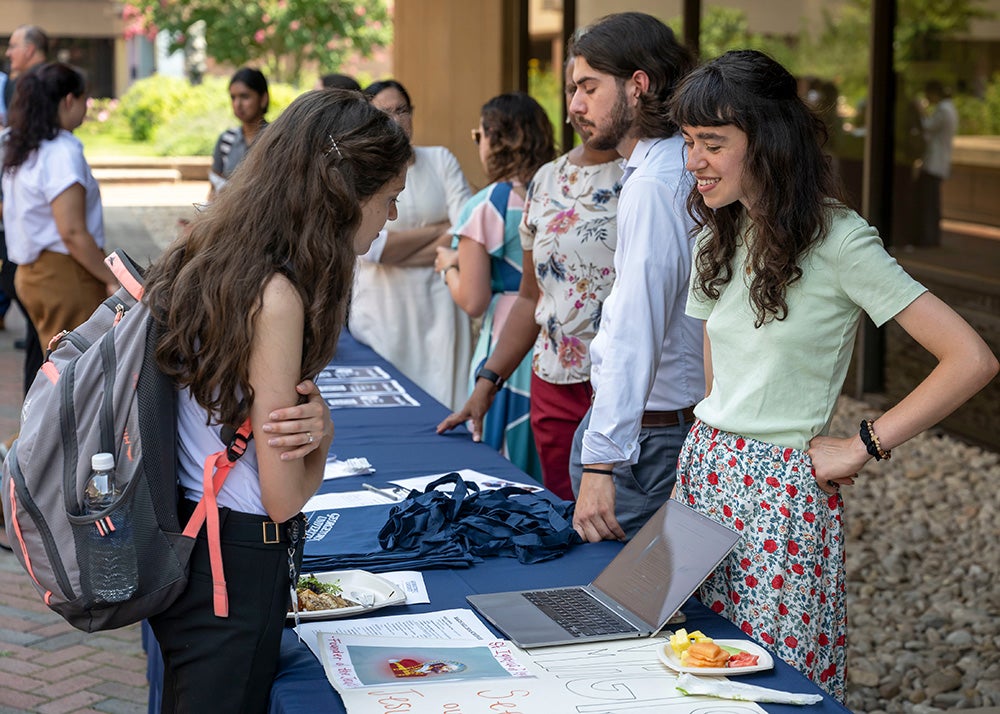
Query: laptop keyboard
point(578, 613)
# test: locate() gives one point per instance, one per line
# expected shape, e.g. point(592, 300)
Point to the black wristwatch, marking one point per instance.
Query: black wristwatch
point(490, 376)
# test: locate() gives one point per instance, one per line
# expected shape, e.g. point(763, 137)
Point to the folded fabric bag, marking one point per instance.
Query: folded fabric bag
point(510, 522)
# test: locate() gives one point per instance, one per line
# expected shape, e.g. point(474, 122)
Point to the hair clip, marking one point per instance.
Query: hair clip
point(333, 147)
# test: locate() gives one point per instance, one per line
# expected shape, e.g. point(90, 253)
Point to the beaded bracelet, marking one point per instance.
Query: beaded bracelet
point(871, 442)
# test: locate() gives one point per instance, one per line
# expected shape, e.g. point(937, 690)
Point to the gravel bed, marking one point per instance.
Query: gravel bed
point(922, 575)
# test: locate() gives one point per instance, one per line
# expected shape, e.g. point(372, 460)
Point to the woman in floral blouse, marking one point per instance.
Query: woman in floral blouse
point(569, 234)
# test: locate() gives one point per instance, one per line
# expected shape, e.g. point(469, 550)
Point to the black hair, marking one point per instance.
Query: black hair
point(34, 111)
point(339, 81)
point(376, 88)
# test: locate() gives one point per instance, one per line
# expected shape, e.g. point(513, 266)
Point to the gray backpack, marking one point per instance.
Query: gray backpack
point(100, 390)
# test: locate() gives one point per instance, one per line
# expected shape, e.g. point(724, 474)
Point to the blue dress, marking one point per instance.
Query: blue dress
point(492, 218)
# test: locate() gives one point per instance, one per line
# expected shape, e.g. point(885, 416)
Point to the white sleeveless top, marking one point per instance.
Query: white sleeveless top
point(195, 441)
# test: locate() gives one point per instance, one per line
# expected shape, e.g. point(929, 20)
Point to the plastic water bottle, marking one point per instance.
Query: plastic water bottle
point(112, 576)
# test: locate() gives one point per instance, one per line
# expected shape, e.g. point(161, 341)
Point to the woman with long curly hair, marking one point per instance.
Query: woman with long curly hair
point(484, 273)
point(250, 302)
point(52, 203)
point(781, 273)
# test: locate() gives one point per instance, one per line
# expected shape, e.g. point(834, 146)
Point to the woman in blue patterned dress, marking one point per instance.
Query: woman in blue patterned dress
point(781, 274)
point(483, 270)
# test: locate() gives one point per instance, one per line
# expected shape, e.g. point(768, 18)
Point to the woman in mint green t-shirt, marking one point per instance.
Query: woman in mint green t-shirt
point(782, 272)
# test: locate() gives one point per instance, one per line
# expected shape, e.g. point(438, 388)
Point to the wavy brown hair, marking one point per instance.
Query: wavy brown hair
point(34, 111)
point(792, 180)
point(292, 206)
point(520, 134)
point(626, 42)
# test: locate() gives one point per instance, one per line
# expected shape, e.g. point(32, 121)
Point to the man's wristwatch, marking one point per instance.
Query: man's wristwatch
point(490, 376)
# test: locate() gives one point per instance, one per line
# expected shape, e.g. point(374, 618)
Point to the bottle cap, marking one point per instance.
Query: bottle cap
point(102, 462)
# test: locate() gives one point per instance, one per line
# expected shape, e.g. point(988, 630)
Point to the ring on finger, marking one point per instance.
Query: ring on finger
point(309, 434)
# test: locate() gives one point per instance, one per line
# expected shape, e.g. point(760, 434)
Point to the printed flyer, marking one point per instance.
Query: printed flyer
point(380, 674)
point(355, 662)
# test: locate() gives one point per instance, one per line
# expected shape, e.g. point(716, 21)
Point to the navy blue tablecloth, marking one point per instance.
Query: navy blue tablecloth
point(401, 442)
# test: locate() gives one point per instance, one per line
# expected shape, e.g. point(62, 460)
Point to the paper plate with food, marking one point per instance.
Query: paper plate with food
point(342, 593)
point(697, 653)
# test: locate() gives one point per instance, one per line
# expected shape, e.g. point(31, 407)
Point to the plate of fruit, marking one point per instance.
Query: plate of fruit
point(697, 653)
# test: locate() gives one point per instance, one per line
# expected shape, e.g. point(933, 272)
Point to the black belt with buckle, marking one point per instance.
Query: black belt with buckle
point(235, 526)
point(654, 419)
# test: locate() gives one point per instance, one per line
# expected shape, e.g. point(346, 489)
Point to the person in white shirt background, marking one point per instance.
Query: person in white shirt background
point(52, 203)
point(647, 369)
point(400, 308)
point(939, 127)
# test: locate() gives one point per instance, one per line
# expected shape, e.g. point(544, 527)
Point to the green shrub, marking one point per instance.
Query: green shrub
point(169, 117)
point(150, 103)
point(978, 117)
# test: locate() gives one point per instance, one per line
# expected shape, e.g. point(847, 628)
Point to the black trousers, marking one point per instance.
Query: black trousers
point(929, 194)
point(221, 665)
point(34, 356)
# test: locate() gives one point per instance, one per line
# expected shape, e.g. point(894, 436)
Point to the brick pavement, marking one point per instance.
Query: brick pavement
point(46, 666)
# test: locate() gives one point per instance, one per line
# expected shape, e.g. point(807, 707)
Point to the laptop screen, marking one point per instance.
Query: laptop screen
point(658, 570)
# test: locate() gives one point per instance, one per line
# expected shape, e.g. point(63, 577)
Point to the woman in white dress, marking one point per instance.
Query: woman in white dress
point(399, 307)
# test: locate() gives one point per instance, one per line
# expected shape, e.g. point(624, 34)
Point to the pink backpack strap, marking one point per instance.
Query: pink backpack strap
point(217, 468)
point(125, 276)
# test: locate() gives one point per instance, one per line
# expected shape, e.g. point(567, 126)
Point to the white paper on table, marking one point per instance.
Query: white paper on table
point(484, 481)
point(460, 624)
point(343, 373)
point(359, 662)
point(623, 676)
point(381, 386)
point(357, 466)
point(410, 582)
point(357, 401)
point(345, 499)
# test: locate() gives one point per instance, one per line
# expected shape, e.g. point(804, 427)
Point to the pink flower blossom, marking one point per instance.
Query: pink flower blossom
point(265, 18)
point(294, 25)
point(572, 352)
point(563, 221)
point(360, 11)
point(259, 36)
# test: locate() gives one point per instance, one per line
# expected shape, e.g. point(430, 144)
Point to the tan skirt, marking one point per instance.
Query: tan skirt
point(58, 293)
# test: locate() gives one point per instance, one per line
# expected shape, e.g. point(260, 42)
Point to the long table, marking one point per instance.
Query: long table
point(401, 442)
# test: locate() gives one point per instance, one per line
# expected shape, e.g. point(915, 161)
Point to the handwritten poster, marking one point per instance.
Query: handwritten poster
point(604, 678)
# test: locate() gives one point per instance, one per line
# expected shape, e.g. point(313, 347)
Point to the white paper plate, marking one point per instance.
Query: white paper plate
point(764, 660)
point(368, 586)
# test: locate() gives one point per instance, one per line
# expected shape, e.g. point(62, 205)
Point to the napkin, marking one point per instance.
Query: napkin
point(723, 688)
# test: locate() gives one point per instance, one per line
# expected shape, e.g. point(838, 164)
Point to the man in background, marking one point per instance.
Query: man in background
point(28, 48)
point(939, 126)
point(647, 368)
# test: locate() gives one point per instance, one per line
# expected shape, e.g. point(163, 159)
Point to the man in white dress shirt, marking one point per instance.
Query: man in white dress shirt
point(939, 127)
point(647, 371)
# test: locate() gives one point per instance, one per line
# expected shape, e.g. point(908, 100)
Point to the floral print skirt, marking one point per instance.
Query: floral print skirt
point(784, 584)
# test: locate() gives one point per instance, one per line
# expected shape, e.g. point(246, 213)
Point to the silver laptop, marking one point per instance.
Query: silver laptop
point(634, 596)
